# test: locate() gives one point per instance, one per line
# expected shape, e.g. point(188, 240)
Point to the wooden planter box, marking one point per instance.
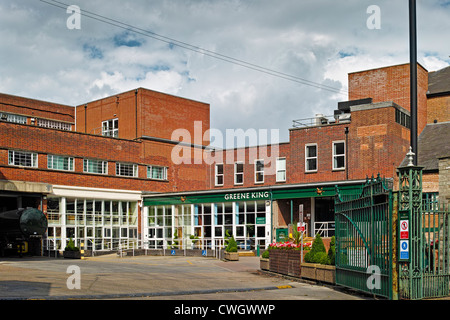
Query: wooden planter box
point(286, 262)
point(318, 272)
point(72, 254)
point(264, 264)
point(231, 256)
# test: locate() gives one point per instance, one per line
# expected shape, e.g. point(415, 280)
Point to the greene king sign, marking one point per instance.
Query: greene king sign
point(247, 196)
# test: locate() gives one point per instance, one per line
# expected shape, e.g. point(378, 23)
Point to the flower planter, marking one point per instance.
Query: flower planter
point(264, 264)
point(286, 262)
point(72, 254)
point(231, 256)
point(318, 272)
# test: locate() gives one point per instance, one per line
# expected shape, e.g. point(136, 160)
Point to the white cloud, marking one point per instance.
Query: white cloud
point(320, 41)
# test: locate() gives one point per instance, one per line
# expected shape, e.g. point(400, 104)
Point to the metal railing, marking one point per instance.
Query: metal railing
point(324, 228)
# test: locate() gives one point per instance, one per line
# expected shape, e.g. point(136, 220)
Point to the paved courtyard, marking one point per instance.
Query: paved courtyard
point(152, 278)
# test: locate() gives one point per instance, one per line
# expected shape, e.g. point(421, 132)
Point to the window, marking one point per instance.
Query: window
point(156, 172)
point(311, 157)
point(54, 124)
point(126, 169)
point(60, 163)
point(402, 118)
point(219, 174)
point(281, 169)
point(338, 155)
point(22, 158)
point(13, 118)
point(110, 128)
point(95, 166)
point(259, 171)
point(239, 173)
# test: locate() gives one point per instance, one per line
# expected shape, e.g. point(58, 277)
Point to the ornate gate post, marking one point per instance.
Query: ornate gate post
point(410, 239)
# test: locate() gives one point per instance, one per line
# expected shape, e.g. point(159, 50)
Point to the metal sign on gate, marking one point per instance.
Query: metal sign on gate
point(404, 236)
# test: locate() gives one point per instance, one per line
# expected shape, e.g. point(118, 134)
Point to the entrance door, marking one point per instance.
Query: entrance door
point(324, 217)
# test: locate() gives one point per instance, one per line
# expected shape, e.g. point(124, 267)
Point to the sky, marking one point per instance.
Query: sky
point(260, 64)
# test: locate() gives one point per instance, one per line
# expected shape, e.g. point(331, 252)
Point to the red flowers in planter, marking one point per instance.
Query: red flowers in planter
point(290, 246)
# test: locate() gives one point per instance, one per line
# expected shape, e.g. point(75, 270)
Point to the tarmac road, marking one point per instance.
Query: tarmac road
point(152, 278)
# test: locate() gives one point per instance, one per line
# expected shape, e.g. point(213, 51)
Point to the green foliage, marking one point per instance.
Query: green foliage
point(71, 246)
point(317, 249)
point(232, 245)
point(265, 254)
point(332, 251)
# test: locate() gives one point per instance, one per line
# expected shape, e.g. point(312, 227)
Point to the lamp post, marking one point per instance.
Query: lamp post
point(413, 76)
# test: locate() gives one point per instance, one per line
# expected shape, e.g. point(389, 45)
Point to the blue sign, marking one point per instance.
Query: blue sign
point(204, 253)
point(172, 252)
point(404, 250)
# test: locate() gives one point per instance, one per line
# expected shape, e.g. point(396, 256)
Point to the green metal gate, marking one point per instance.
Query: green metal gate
point(364, 238)
point(424, 257)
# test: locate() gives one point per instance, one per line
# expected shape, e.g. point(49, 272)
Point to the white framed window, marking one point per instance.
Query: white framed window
point(219, 174)
point(95, 166)
point(281, 170)
point(22, 158)
point(259, 171)
point(60, 163)
point(110, 128)
point(338, 155)
point(311, 157)
point(13, 118)
point(126, 169)
point(239, 173)
point(54, 124)
point(157, 172)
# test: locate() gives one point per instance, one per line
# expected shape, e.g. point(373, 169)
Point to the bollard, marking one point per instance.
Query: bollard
point(257, 250)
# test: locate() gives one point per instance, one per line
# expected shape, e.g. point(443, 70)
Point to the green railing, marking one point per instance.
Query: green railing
point(364, 239)
point(424, 269)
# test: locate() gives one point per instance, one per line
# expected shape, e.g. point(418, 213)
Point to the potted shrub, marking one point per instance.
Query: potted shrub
point(319, 265)
point(231, 251)
point(71, 252)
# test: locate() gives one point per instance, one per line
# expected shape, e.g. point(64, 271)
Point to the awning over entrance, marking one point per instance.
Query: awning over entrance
point(309, 190)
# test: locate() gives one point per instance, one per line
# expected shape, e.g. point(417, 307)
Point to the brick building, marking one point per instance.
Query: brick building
point(113, 171)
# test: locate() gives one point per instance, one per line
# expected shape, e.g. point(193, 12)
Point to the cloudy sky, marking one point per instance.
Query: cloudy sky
point(208, 50)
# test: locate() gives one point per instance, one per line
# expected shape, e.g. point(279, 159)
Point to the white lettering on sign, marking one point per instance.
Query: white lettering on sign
point(246, 195)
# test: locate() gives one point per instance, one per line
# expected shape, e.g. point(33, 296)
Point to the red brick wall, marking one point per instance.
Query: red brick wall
point(324, 137)
point(248, 156)
point(438, 109)
point(36, 108)
point(79, 146)
point(377, 144)
point(149, 113)
point(391, 84)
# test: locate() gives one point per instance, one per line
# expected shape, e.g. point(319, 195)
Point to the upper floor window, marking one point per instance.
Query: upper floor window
point(338, 155)
point(13, 118)
point(281, 170)
point(95, 166)
point(311, 157)
point(219, 175)
point(54, 124)
point(126, 169)
point(110, 128)
point(157, 172)
point(22, 158)
point(60, 163)
point(402, 118)
point(239, 173)
point(259, 171)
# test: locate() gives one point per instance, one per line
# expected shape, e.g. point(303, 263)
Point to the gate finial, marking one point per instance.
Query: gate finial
point(410, 156)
